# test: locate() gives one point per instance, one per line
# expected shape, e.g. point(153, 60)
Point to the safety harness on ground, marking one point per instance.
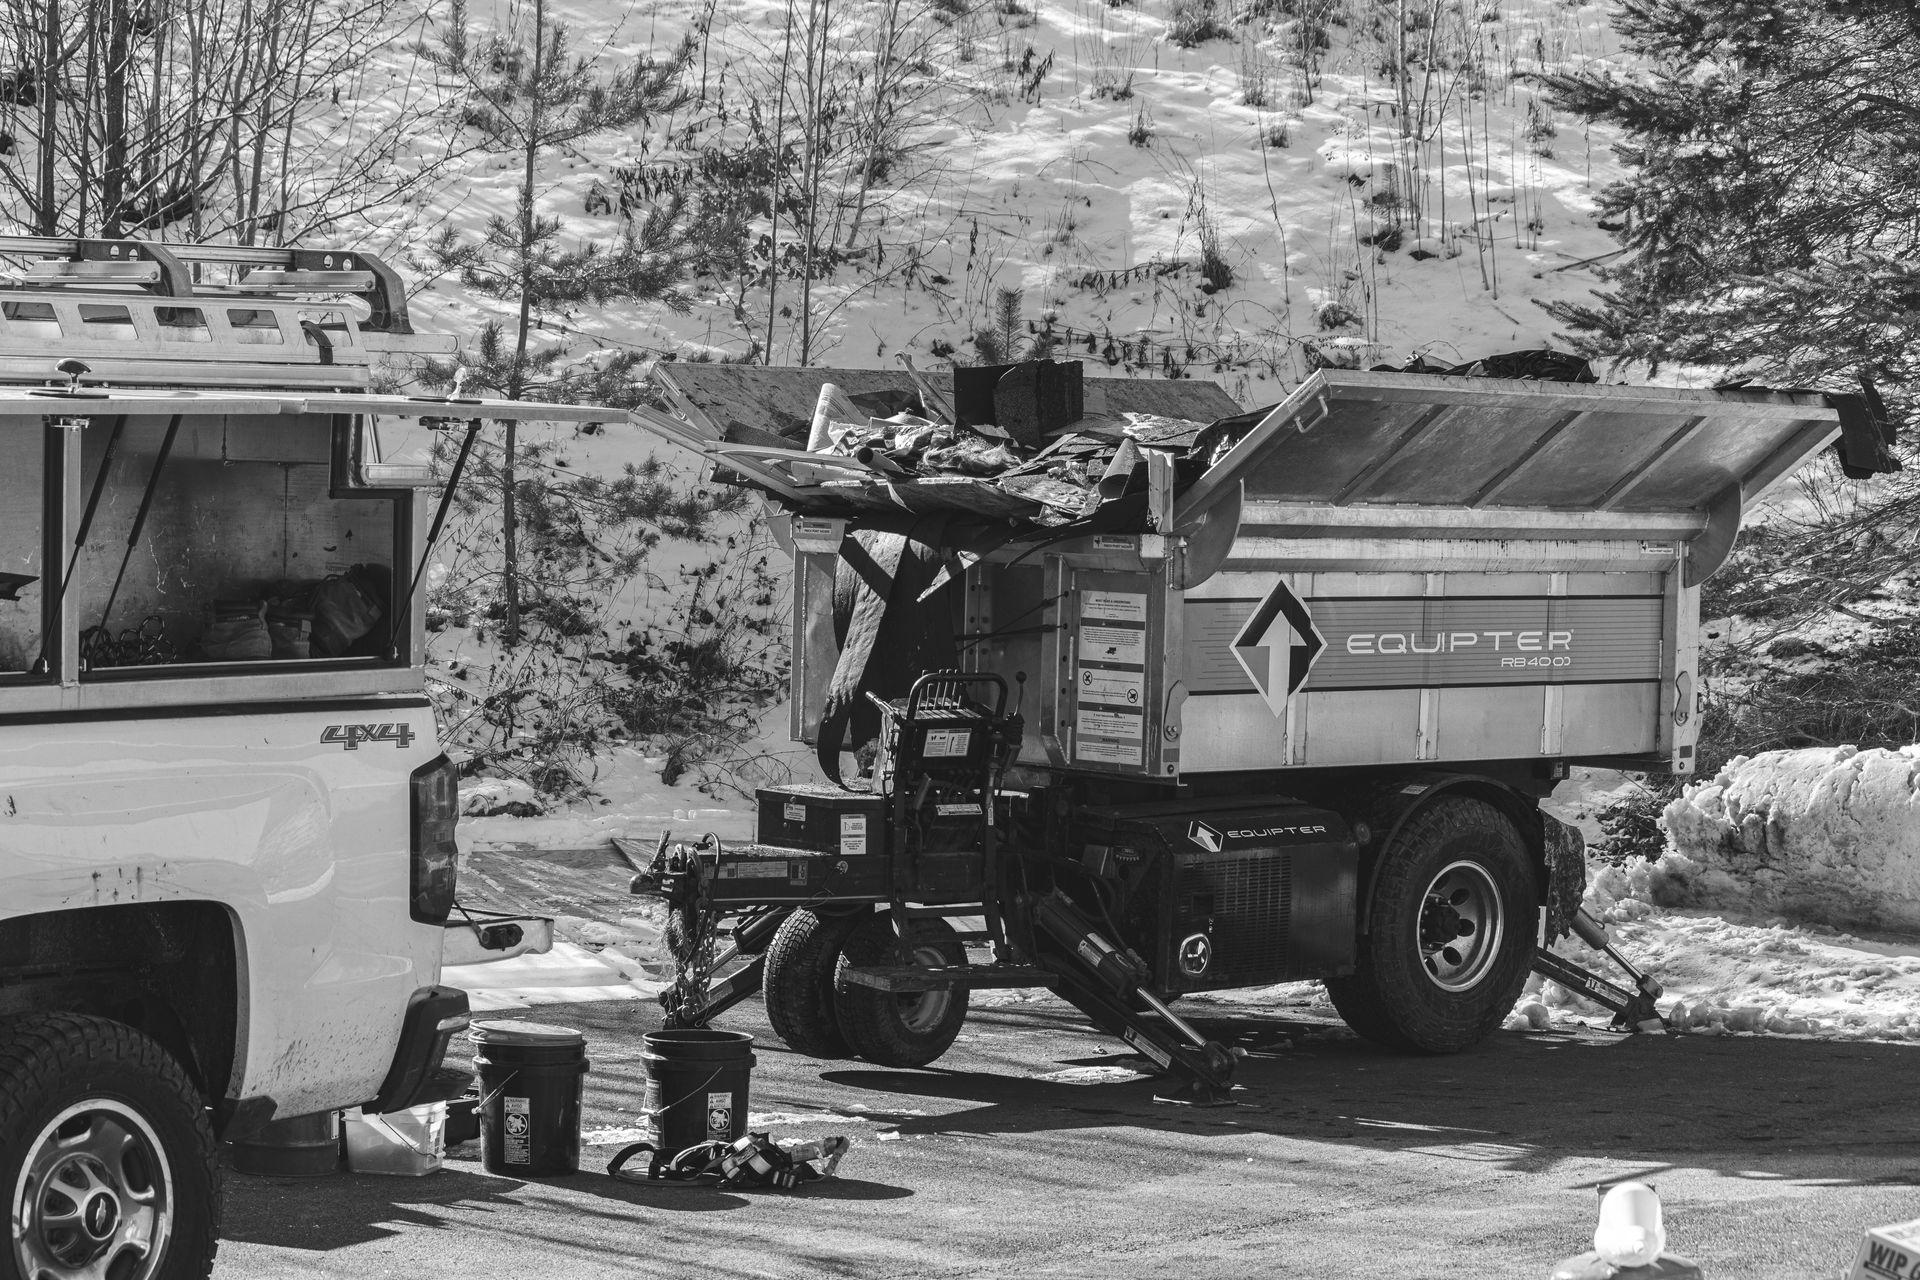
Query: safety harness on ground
point(753, 1161)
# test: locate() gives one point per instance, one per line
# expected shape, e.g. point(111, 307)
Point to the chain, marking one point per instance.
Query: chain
point(692, 943)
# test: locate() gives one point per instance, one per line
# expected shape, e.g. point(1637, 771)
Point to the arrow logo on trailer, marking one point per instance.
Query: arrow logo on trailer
point(1278, 646)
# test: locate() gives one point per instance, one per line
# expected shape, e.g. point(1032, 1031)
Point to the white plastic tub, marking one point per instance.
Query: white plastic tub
point(408, 1143)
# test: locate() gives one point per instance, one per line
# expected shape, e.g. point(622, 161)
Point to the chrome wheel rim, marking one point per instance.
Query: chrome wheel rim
point(1463, 920)
point(94, 1198)
point(922, 1011)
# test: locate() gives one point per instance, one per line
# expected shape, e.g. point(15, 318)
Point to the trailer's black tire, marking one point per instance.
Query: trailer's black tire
point(797, 984)
point(906, 1030)
point(105, 1152)
point(1450, 932)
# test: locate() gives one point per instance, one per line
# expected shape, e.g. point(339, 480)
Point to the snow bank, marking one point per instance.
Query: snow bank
point(489, 797)
point(1825, 834)
point(1728, 977)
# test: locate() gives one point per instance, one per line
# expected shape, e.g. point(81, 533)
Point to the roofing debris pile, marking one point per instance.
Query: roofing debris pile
point(1070, 476)
point(1014, 443)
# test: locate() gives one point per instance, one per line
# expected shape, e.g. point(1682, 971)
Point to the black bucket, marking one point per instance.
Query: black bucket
point(696, 1086)
point(530, 1081)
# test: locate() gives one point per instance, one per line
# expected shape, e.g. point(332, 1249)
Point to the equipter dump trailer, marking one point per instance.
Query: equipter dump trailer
point(1288, 715)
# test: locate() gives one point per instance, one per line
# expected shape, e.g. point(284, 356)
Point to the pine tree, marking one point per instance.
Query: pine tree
point(1771, 216)
point(529, 102)
point(1001, 341)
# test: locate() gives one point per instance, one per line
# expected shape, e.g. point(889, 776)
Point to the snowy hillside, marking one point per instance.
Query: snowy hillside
point(1080, 153)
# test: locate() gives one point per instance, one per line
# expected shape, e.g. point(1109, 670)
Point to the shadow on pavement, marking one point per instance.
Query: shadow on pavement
point(838, 1188)
point(704, 1198)
point(323, 1214)
point(1518, 1102)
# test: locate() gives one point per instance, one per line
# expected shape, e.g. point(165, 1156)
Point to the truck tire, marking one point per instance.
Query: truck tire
point(106, 1155)
point(1450, 937)
point(908, 1029)
point(798, 982)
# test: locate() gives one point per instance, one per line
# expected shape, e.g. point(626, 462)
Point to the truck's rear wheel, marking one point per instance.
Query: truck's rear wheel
point(910, 1028)
point(105, 1154)
point(798, 982)
point(1450, 935)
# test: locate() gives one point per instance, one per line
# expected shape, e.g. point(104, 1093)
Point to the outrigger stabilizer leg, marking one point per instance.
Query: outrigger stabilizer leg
point(1632, 1010)
point(1109, 986)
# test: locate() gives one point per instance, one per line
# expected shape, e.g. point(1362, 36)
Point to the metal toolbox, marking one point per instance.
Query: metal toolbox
point(851, 824)
point(762, 875)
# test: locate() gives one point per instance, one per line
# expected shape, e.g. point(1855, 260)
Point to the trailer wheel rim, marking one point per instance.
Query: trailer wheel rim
point(923, 1011)
point(94, 1197)
point(1462, 924)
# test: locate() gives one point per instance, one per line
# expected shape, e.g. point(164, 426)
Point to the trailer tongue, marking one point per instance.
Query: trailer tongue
point(1290, 687)
point(925, 836)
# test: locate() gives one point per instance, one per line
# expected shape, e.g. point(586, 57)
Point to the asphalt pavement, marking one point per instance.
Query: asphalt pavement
point(1336, 1159)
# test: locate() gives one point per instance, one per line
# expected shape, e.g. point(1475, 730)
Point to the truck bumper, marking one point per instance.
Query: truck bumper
point(434, 1015)
point(477, 937)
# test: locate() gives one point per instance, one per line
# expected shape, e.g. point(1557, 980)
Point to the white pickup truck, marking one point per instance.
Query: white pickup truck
point(226, 824)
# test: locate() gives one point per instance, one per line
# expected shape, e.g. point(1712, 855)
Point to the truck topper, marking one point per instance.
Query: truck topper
point(227, 851)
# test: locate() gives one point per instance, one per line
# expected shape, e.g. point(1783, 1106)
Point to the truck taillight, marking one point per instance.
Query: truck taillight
point(436, 808)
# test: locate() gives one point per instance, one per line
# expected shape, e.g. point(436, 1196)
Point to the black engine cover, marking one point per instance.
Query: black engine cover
point(1215, 895)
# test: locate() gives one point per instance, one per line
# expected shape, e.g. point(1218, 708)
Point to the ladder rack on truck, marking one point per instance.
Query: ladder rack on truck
point(1291, 686)
point(136, 312)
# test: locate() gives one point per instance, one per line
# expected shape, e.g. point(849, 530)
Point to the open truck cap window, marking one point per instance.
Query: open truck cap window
point(209, 500)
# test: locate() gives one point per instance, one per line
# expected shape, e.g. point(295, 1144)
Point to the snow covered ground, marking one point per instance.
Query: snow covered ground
point(568, 974)
point(1071, 149)
point(1734, 971)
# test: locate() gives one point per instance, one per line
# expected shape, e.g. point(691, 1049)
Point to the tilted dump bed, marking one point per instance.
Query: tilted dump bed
point(1386, 568)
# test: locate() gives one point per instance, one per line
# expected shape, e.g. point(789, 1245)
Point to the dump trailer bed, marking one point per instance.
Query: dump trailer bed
point(1386, 569)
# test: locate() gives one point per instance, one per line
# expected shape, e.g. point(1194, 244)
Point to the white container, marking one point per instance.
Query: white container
point(1888, 1251)
point(408, 1143)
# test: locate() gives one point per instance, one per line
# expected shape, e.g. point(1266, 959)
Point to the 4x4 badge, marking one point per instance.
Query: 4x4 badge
point(350, 736)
